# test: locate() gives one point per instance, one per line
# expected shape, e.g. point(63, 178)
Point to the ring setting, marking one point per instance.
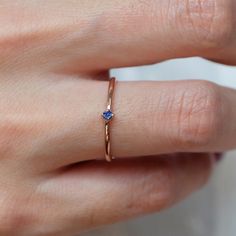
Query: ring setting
point(107, 115)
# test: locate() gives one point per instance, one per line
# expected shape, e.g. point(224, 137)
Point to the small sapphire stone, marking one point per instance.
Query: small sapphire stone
point(107, 115)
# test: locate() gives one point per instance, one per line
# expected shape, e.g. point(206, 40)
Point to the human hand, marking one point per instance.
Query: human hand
point(53, 79)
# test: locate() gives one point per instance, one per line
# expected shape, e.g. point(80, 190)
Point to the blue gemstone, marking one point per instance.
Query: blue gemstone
point(107, 115)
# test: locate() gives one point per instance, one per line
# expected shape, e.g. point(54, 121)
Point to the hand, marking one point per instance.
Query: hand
point(53, 79)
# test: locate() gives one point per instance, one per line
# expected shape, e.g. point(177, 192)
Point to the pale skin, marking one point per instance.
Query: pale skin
point(54, 63)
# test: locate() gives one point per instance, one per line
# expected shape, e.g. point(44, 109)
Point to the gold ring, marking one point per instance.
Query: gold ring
point(107, 116)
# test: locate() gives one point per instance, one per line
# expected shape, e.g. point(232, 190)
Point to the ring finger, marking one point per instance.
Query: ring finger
point(151, 118)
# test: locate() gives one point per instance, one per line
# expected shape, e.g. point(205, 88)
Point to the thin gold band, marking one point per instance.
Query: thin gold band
point(107, 116)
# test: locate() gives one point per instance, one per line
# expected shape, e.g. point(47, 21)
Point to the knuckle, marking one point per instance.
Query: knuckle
point(151, 196)
point(165, 196)
point(198, 116)
point(209, 22)
point(154, 196)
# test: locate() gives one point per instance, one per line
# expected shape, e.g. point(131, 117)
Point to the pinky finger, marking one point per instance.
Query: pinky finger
point(105, 193)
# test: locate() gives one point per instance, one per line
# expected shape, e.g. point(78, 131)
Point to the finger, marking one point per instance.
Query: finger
point(85, 35)
point(127, 188)
point(151, 31)
point(165, 117)
point(137, 33)
point(150, 118)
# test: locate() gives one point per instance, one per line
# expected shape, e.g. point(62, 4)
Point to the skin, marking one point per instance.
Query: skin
point(54, 63)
